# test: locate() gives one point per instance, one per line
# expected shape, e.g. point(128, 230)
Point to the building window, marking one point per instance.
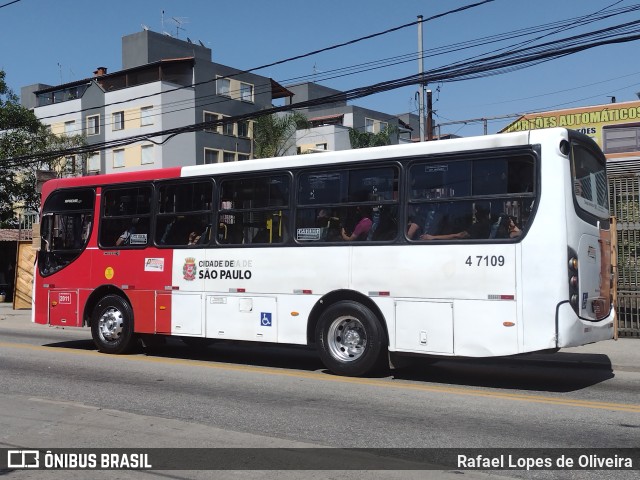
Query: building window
point(223, 86)
point(69, 127)
point(246, 92)
point(210, 156)
point(145, 116)
point(368, 125)
point(243, 128)
point(228, 157)
point(93, 163)
point(384, 126)
point(242, 156)
point(227, 128)
point(211, 117)
point(93, 125)
point(621, 138)
point(118, 121)
point(118, 158)
point(146, 157)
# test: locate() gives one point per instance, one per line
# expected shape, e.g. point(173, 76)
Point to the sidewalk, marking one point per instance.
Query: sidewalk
point(622, 354)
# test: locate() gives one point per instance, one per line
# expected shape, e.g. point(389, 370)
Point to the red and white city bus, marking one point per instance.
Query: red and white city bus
point(475, 247)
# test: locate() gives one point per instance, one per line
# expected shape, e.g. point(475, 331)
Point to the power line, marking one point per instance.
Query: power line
point(10, 3)
point(286, 60)
point(521, 60)
point(393, 61)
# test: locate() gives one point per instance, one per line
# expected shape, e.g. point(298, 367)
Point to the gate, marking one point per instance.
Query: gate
point(624, 194)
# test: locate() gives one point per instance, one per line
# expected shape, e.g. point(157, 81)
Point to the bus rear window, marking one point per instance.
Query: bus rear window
point(589, 181)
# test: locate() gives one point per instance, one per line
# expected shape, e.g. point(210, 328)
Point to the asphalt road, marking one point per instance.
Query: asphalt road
point(57, 391)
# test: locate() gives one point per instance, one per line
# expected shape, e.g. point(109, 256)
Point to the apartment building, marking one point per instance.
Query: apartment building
point(165, 83)
point(330, 123)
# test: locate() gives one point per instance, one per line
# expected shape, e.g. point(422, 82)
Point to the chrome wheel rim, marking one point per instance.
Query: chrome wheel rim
point(347, 339)
point(111, 325)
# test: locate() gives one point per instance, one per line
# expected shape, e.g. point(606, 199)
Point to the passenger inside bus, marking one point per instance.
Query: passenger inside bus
point(362, 227)
point(425, 223)
point(328, 224)
point(481, 228)
point(200, 235)
point(505, 227)
point(125, 237)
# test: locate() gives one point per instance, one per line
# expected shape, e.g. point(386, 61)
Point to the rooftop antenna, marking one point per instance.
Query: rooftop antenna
point(316, 70)
point(179, 22)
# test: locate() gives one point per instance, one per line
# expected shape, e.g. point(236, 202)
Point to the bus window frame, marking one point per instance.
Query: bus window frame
point(217, 202)
point(588, 143)
point(399, 164)
point(122, 186)
point(155, 212)
point(532, 151)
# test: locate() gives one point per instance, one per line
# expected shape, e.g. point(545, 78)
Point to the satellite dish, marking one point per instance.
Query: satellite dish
point(144, 27)
point(189, 40)
point(202, 44)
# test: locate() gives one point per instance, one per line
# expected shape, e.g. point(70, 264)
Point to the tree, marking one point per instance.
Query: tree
point(273, 133)
point(21, 133)
point(368, 139)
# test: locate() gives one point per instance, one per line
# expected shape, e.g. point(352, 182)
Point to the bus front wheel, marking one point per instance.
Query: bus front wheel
point(112, 325)
point(350, 339)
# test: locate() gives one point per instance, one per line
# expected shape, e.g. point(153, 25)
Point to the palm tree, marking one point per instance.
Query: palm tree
point(367, 139)
point(273, 133)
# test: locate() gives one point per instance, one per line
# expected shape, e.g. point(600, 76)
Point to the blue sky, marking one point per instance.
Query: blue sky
point(58, 41)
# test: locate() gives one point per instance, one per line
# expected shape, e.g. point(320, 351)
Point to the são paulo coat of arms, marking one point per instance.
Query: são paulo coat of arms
point(189, 269)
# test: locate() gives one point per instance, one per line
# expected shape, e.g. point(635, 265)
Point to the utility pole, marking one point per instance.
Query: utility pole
point(421, 72)
point(429, 116)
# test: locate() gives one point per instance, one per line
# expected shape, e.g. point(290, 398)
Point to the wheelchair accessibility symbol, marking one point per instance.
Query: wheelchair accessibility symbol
point(265, 319)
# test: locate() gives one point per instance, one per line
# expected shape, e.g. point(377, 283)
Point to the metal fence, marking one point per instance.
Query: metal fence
point(624, 194)
point(25, 225)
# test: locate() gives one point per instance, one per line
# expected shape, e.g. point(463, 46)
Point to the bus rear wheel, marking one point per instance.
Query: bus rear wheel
point(350, 339)
point(112, 325)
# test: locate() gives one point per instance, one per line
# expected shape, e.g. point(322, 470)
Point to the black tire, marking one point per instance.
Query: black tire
point(351, 340)
point(197, 343)
point(112, 325)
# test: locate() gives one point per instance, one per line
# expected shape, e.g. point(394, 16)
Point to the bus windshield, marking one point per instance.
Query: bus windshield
point(589, 181)
point(67, 217)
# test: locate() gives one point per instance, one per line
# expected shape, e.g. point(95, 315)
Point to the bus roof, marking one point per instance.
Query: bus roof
point(485, 142)
point(363, 154)
point(112, 178)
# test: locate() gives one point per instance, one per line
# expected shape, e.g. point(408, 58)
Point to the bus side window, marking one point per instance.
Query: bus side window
point(384, 223)
point(253, 210)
